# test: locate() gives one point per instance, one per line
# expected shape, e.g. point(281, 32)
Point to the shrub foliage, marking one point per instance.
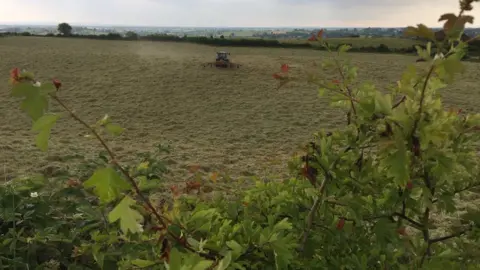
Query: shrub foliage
point(369, 195)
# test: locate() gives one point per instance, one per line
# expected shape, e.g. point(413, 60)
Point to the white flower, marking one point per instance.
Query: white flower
point(37, 84)
point(439, 56)
point(34, 194)
point(140, 227)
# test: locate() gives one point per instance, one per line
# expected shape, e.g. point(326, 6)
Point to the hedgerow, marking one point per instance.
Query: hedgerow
point(364, 196)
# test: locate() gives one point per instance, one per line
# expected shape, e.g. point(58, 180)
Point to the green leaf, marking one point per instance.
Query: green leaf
point(321, 91)
point(105, 120)
point(429, 48)
point(399, 169)
point(35, 105)
point(202, 265)
point(344, 48)
point(142, 263)
point(47, 88)
point(41, 140)
point(129, 218)
point(44, 125)
point(282, 225)
point(114, 129)
point(384, 230)
point(45, 122)
point(98, 255)
point(422, 53)
point(420, 31)
point(352, 73)
point(23, 89)
point(449, 68)
point(236, 248)
point(383, 103)
point(175, 260)
point(472, 215)
point(107, 183)
point(225, 262)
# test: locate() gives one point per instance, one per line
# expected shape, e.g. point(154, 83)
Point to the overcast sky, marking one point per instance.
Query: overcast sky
point(247, 13)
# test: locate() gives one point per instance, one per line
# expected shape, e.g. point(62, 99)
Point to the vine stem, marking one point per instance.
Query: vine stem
point(163, 220)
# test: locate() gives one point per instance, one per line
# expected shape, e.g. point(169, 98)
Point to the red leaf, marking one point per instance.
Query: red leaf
point(312, 38)
point(194, 168)
point(175, 190)
point(401, 231)
point(320, 33)
point(192, 185)
point(73, 182)
point(340, 224)
point(409, 185)
point(459, 111)
point(15, 74)
point(336, 81)
point(285, 68)
point(57, 84)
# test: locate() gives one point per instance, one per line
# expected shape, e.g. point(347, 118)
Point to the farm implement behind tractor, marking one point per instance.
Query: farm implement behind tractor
point(222, 61)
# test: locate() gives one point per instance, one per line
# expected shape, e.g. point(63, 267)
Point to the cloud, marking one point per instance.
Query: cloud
point(319, 13)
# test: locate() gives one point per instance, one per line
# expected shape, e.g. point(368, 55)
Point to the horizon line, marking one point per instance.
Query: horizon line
point(167, 26)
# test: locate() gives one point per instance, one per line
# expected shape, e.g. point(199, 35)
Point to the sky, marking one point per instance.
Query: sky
point(231, 13)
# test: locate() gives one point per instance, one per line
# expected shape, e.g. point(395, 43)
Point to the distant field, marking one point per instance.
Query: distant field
point(229, 120)
point(391, 42)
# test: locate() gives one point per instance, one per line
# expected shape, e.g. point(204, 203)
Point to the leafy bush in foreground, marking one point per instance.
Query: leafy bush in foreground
point(366, 196)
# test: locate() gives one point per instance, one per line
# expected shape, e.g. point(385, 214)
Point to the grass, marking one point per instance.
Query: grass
point(234, 121)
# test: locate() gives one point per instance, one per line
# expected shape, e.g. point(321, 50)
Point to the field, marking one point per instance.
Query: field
point(393, 43)
point(234, 121)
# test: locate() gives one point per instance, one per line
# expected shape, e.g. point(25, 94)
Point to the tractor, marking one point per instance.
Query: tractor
point(222, 61)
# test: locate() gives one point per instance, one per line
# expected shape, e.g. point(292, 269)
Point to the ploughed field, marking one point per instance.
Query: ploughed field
point(234, 121)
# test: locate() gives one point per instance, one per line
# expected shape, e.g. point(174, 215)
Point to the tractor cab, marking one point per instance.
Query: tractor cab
point(222, 56)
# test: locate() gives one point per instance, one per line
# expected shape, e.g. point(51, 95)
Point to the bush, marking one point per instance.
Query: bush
point(130, 35)
point(364, 196)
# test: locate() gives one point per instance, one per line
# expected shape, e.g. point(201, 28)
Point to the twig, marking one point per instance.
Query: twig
point(161, 219)
point(453, 235)
point(339, 68)
point(425, 221)
point(311, 214)
point(414, 223)
point(422, 98)
point(399, 102)
point(461, 190)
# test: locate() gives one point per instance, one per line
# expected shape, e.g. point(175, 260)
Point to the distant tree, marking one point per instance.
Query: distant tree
point(131, 35)
point(222, 37)
point(65, 29)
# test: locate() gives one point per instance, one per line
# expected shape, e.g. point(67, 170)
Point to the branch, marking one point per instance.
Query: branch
point(414, 223)
point(453, 235)
point(339, 92)
point(461, 190)
point(339, 68)
point(422, 98)
point(313, 210)
point(163, 220)
point(399, 102)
